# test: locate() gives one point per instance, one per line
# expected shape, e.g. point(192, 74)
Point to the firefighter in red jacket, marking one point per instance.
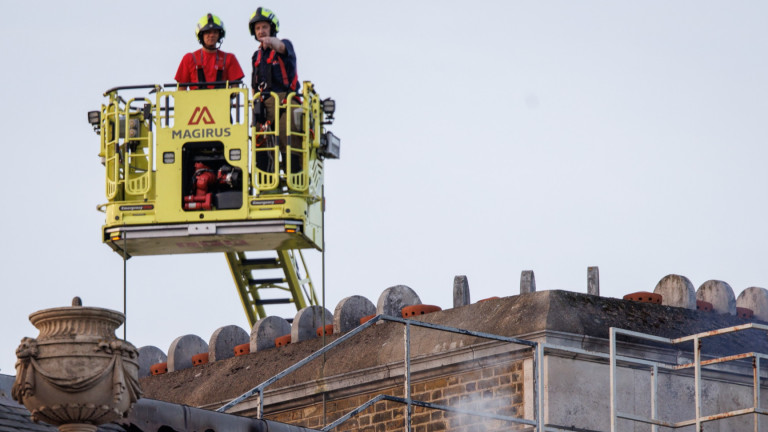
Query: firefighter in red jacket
point(209, 63)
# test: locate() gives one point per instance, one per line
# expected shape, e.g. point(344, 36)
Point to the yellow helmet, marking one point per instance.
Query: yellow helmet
point(264, 14)
point(209, 22)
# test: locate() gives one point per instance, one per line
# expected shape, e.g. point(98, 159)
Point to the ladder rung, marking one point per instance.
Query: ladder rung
point(265, 281)
point(272, 301)
point(261, 262)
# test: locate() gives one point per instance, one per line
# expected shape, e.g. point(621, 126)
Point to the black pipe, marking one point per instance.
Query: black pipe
point(150, 415)
point(172, 85)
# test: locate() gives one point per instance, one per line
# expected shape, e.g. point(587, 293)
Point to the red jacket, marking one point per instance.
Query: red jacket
point(216, 66)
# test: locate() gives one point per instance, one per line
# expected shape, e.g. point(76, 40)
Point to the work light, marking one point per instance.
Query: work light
point(329, 107)
point(94, 118)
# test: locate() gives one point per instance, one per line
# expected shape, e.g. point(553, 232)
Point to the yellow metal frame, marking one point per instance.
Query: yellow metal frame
point(250, 288)
point(146, 145)
point(126, 147)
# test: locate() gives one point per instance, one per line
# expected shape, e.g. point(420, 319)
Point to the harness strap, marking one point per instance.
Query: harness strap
point(282, 70)
point(199, 66)
point(219, 65)
point(291, 84)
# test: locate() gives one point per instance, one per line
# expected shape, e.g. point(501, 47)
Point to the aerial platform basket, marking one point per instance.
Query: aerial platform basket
point(195, 171)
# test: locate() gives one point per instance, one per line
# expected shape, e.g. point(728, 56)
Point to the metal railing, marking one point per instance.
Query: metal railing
point(295, 140)
point(699, 419)
point(537, 356)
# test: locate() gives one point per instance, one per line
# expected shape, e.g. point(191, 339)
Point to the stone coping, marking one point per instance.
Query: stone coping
point(580, 315)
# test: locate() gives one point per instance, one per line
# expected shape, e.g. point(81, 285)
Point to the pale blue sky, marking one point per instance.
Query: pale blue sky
point(480, 139)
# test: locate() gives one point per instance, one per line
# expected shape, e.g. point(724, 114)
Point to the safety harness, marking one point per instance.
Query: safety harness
point(290, 84)
point(218, 66)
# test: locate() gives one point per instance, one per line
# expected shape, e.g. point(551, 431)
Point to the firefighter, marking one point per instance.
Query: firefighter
point(274, 62)
point(274, 70)
point(209, 63)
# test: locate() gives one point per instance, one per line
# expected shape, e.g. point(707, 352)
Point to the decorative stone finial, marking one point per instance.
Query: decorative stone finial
point(77, 301)
point(77, 374)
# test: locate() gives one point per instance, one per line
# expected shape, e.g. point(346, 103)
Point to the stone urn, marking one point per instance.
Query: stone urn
point(77, 374)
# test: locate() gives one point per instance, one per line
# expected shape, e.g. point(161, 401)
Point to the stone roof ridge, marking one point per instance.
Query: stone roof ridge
point(531, 311)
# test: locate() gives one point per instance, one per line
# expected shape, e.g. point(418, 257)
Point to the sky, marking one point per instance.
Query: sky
point(479, 139)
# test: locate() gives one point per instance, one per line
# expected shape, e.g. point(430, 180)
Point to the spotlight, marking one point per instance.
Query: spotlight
point(94, 118)
point(329, 107)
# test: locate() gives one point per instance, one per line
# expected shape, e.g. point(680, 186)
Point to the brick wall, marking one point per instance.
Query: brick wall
point(496, 389)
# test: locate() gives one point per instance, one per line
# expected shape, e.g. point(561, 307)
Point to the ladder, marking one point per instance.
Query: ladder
point(250, 287)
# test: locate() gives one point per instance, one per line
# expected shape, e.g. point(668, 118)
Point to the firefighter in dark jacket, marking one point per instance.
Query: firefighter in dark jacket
point(274, 71)
point(274, 63)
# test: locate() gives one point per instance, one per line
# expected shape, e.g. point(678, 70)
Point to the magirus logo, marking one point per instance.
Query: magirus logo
point(201, 115)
